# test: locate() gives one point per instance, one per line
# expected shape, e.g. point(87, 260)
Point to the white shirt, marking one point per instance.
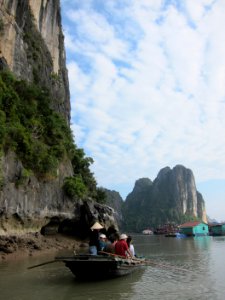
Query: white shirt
point(132, 250)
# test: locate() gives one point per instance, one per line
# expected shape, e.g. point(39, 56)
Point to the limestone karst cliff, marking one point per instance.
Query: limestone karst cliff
point(32, 45)
point(36, 151)
point(171, 197)
point(115, 201)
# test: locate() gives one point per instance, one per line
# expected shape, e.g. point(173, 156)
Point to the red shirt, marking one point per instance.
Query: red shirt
point(121, 247)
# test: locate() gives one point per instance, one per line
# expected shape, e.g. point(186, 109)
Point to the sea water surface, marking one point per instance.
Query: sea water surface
point(184, 269)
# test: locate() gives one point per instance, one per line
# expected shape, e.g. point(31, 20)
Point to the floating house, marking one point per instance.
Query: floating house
point(168, 228)
point(217, 229)
point(196, 228)
point(147, 232)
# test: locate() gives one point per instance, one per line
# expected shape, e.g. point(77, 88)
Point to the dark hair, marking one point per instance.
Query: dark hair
point(129, 239)
point(114, 237)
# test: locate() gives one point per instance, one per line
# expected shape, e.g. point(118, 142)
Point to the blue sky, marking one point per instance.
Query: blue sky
point(147, 83)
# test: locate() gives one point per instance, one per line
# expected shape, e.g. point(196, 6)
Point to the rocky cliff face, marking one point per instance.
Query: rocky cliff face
point(32, 47)
point(115, 201)
point(171, 197)
point(176, 187)
point(31, 205)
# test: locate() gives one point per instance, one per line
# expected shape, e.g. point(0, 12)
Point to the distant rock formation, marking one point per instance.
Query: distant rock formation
point(114, 200)
point(171, 197)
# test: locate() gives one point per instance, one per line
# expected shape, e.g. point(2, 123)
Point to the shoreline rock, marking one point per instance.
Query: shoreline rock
point(34, 244)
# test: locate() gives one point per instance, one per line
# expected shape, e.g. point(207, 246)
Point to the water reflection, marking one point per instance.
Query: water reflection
point(119, 288)
point(202, 261)
point(56, 280)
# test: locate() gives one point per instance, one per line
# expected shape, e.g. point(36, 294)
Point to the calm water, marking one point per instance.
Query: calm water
point(191, 268)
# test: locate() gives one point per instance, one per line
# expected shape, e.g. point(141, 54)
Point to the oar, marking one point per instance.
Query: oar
point(124, 257)
point(112, 254)
point(45, 263)
point(147, 262)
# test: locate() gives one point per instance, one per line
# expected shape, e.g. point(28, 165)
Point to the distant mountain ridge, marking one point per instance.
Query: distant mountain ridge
point(171, 197)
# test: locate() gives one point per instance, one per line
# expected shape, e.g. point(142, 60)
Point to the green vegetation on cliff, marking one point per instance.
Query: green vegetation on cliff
point(40, 137)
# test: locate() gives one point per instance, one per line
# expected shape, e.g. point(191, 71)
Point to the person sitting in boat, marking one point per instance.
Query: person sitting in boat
point(94, 245)
point(110, 245)
point(121, 247)
point(130, 245)
point(102, 242)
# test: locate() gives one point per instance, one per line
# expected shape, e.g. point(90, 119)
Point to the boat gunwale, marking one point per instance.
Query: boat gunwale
point(99, 258)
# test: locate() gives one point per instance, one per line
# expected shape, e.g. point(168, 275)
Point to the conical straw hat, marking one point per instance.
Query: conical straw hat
point(96, 226)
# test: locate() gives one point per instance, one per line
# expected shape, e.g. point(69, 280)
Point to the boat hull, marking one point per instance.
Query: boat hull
point(95, 267)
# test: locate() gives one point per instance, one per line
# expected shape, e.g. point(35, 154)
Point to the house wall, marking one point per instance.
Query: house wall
point(186, 230)
point(218, 230)
point(223, 229)
point(200, 229)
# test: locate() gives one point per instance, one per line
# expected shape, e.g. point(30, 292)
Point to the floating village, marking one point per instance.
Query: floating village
point(188, 229)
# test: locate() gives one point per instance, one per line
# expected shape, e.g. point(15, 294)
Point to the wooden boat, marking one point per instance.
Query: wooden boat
point(166, 229)
point(176, 235)
point(171, 234)
point(94, 267)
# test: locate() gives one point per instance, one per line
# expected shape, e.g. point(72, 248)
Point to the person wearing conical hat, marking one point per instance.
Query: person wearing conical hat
point(96, 226)
point(94, 245)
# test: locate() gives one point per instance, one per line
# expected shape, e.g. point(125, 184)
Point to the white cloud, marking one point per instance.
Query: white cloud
point(147, 87)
